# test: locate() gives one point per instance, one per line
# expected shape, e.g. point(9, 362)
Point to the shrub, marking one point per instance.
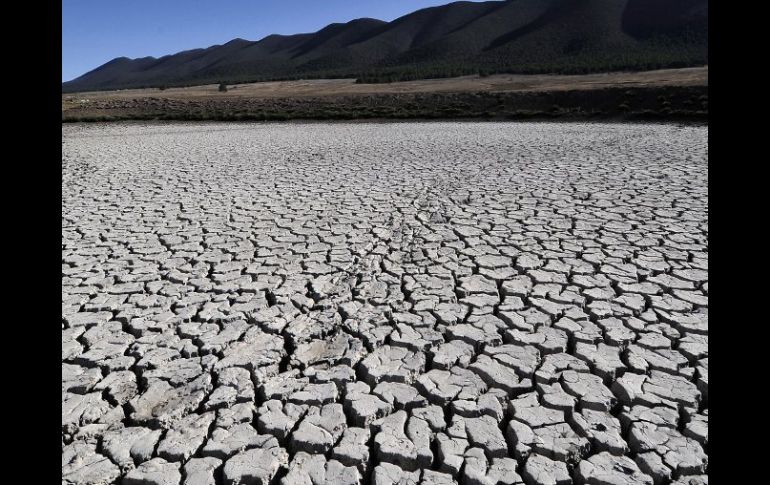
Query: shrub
point(222, 87)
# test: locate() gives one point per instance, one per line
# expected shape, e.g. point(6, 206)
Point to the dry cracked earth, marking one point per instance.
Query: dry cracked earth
point(405, 303)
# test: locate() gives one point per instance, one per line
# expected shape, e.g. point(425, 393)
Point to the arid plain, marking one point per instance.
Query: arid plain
point(390, 303)
point(662, 94)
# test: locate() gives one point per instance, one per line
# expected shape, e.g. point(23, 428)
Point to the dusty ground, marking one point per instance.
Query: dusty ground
point(696, 76)
point(435, 303)
point(664, 93)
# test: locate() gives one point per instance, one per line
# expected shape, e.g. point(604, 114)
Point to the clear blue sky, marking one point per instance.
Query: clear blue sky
point(96, 31)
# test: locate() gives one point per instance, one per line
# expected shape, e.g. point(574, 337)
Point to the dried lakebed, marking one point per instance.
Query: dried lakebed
point(416, 303)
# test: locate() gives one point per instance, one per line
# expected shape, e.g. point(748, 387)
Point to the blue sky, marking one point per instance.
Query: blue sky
point(96, 31)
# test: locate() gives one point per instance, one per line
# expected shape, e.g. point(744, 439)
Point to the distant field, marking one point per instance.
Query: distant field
point(437, 98)
point(695, 76)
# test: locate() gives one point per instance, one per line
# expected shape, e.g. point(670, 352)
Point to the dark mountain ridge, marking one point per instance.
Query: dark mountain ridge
point(516, 36)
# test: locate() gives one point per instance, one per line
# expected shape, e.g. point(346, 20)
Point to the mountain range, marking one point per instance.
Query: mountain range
point(514, 36)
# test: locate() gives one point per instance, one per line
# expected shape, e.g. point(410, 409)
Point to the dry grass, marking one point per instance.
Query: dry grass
point(697, 76)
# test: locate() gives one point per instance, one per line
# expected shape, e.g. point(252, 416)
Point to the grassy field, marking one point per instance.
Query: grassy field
point(661, 93)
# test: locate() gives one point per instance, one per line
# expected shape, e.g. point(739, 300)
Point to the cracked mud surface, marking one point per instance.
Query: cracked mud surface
point(428, 303)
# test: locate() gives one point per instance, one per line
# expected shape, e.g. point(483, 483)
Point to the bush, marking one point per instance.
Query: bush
point(222, 88)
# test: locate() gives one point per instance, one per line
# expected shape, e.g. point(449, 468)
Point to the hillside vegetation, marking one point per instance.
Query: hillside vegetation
point(461, 38)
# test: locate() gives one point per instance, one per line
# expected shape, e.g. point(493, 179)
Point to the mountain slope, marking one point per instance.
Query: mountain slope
point(520, 36)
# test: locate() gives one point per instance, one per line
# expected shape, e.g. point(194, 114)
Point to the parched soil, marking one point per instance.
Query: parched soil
point(664, 94)
point(351, 303)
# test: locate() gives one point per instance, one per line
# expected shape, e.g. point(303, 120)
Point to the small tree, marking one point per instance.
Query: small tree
point(222, 88)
